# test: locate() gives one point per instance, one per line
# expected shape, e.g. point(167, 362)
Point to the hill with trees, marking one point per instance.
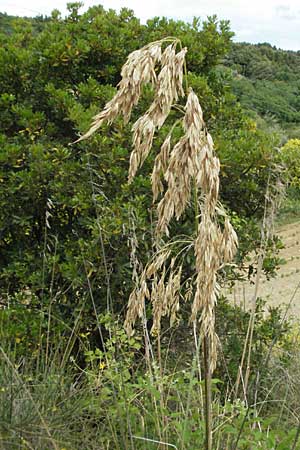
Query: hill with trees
point(266, 81)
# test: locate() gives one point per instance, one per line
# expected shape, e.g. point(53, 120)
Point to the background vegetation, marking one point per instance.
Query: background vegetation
point(69, 376)
point(266, 81)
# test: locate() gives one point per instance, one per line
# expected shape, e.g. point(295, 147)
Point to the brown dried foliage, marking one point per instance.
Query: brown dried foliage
point(168, 89)
point(190, 165)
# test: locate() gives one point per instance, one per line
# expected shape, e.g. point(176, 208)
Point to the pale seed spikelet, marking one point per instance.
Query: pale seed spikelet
point(207, 288)
point(159, 301)
point(165, 297)
point(167, 92)
point(208, 174)
point(143, 133)
point(138, 70)
point(207, 263)
point(184, 165)
point(178, 180)
point(160, 167)
point(141, 292)
point(157, 263)
point(179, 63)
point(160, 284)
point(135, 310)
point(136, 305)
point(229, 242)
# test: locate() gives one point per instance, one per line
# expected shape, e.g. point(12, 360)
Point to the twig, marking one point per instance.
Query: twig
point(155, 441)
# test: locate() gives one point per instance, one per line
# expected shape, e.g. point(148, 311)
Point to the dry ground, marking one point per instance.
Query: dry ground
point(284, 289)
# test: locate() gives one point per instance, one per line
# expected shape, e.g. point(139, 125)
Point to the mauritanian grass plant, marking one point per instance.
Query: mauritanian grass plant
point(190, 170)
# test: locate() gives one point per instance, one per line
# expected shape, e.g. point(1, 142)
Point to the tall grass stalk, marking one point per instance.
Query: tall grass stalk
point(190, 165)
point(275, 192)
point(109, 305)
point(18, 379)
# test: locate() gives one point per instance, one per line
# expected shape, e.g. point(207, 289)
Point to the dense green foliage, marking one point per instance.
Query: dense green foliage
point(290, 155)
point(68, 223)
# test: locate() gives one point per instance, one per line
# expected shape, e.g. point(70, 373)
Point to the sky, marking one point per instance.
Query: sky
point(273, 21)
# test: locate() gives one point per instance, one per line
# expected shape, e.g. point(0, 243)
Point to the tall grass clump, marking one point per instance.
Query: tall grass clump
point(185, 170)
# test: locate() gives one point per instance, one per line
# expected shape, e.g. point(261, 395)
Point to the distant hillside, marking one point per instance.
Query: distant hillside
point(266, 81)
point(7, 22)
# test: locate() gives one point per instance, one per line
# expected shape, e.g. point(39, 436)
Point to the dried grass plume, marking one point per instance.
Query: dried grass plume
point(180, 171)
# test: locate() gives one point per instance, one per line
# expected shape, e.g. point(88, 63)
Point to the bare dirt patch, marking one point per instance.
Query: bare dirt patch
point(283, 288)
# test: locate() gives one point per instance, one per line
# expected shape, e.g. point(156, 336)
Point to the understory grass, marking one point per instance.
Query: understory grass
point(118, 397)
